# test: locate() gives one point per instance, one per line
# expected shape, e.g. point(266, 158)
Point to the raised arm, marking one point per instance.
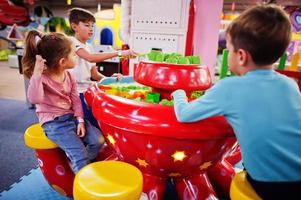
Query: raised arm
point(35, 91)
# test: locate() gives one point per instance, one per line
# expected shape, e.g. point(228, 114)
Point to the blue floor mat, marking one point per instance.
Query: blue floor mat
point(32, 187)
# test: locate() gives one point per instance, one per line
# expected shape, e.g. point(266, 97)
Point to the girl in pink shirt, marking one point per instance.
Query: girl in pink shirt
point(53, 89)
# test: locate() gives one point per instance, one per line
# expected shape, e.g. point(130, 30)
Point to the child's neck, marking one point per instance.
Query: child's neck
point(79, 38)
point(58, 75)
point(256, 67)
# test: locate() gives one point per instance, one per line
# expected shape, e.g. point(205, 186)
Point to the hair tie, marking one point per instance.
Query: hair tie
point(37, 39)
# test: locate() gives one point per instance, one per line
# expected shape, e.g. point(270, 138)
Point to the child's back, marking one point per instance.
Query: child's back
point(263, 107)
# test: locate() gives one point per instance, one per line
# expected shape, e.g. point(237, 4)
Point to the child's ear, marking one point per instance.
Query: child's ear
point(62, 61)
point(242, 57)
point(73, 26)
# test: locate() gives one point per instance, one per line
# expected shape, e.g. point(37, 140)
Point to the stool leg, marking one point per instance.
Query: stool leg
point(56, 170)
point(195, 188)
point(221, 175)
point(106, 153)
point(154, 186)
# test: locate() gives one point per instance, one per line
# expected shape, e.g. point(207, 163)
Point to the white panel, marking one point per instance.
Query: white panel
point(169, 43)
point(158, 14)
point(158, 24)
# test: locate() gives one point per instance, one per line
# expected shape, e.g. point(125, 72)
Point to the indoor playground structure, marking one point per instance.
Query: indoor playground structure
point(199, 157)
point(147, 143)
point(146, 146)
point(107, 27)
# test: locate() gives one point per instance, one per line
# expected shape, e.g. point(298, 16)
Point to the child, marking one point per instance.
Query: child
point(82, 22)
point(263, 107)
point(53, 89)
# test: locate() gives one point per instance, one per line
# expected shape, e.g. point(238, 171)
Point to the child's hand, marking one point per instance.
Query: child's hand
point(129, 54)
point(118, 76)
point(81, 129)
point(39, 66)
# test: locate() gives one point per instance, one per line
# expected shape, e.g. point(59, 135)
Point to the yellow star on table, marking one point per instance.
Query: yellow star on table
point(179, 156)
point(111, 139)
point(205, 165)
point(141, 162)
point(174, 174)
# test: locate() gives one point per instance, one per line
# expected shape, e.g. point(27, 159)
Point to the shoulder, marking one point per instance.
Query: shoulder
point(70, 76)
point(228, 82)
point(77, 43)
point(73, 39)
point(289, 82)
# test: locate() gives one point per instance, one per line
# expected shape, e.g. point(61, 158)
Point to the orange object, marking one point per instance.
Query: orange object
point(104, 87)
point(140, 94)
point(294, 63)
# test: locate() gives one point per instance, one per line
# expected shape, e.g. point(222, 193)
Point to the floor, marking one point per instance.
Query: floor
point(11, 83)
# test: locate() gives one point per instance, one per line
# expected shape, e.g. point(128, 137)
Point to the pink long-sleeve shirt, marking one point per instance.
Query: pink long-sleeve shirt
point(54, 99)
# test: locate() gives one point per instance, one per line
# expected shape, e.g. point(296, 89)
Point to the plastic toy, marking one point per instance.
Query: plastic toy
point(241, 188)
point(198, 156)
point(51, 159)
point(112, 180)
point(12, 14)
point(152, 97)
point(175, 58)
point(164, 78)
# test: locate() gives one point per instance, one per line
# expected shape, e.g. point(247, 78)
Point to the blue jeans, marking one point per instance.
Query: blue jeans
point(87, 111)
point(80, 151)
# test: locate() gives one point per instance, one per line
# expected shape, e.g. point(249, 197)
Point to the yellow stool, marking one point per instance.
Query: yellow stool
point(241, 189)
point(35, 138)
point(52, 160)
point(109, 180)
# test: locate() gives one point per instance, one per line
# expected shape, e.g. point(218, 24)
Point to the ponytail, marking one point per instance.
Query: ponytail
point(31, 42)
point(51, 46)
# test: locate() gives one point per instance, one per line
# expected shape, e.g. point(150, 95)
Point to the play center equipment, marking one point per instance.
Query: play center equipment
point(241, 188)
point(169, 29)
point(52, 160)
point(112, 180)
point(149, 137)
point(197, 156)
point(108, 180)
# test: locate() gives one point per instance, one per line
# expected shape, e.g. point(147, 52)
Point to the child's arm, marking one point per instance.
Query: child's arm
point(98, 57)
point(35, 91)
point(95, 75)
point(77, 108)
point(76, 103)
point(210, 104)
point(81, 129)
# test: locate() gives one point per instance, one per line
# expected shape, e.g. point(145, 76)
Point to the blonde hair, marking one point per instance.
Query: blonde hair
point(52, 47)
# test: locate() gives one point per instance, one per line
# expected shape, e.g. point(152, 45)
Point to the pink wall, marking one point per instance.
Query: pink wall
point(207, 23)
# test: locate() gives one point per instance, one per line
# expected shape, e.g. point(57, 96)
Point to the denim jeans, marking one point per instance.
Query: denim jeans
point(80, 151)
point(87, 111)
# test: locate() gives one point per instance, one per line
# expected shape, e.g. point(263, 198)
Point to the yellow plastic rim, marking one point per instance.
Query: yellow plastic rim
point(112, 180)
point(35, 138)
